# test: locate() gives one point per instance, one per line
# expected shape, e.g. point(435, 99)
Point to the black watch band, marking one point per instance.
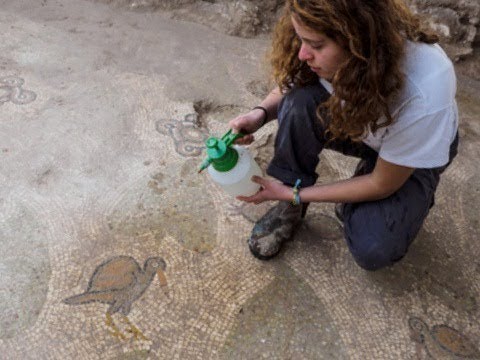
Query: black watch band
point(266, 114)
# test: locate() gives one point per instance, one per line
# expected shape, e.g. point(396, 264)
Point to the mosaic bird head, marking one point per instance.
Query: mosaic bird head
point(158, 265)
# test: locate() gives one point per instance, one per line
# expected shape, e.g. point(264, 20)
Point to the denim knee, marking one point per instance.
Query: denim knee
point(373, 256)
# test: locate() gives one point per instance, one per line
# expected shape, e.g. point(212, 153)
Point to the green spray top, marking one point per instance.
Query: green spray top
point(220, 152)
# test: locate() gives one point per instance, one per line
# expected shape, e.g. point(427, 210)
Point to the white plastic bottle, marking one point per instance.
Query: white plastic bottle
point(237, 181)
point(231, 166)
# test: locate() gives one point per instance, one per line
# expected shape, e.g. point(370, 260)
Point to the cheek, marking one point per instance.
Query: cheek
point(340, 56)
point(329, 58)
point(320, 58)
point(335, 58)
point(326, 60)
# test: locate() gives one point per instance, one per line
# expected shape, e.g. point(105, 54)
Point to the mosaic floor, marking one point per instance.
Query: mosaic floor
point(113, 247)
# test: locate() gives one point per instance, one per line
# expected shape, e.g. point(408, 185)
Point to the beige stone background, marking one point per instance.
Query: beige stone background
point(105, 106)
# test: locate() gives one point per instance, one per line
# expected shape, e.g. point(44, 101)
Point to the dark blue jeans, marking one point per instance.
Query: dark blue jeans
point(378, 233)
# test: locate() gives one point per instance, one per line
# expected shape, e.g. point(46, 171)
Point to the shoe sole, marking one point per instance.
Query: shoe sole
point(263, 257)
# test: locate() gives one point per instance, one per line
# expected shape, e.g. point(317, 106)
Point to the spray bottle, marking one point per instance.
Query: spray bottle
point(231, 166)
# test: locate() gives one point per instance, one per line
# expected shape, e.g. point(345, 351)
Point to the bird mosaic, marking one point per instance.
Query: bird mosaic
point(442, 341)
point(119, 282)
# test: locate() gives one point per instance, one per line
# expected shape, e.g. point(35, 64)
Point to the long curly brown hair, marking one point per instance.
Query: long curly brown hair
point(373, 33)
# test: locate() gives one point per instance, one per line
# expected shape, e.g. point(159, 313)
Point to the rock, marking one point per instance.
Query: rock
point(236, 18)
point(149, 4)
point(243, 18)
point(456, 22)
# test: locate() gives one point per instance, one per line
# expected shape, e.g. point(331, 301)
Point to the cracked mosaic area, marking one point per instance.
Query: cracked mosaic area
point(284, 320)
point(219, 302)
point(159, 268)
point(25, 270)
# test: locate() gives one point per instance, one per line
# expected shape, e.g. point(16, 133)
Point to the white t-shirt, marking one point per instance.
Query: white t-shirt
point(425, 111)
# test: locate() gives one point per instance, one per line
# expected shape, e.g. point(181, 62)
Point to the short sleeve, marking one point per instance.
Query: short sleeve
point(420, 140)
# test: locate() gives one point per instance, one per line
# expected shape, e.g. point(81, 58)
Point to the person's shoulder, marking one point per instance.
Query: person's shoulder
point(423, 51)
point(429, 75)
point(426, 62)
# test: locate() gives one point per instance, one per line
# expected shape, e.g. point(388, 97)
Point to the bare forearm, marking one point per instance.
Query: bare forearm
point(357, 189)
point(270, 103)
point(384, 180)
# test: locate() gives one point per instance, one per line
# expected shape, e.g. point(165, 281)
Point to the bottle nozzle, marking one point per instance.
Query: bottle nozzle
point(204, 165)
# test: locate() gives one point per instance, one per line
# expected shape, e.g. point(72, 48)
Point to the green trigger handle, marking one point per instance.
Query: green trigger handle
point(229, 138)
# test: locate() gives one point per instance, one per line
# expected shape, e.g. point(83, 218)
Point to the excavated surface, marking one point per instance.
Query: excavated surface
point(104, 116)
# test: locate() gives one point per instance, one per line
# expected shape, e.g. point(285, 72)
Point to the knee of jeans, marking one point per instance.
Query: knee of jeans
point(373, 256)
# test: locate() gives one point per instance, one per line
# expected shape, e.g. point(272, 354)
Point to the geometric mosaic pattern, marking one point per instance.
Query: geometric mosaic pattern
point(11, 90)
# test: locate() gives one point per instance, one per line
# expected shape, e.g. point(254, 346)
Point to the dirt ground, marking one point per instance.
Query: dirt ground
point(104, 114)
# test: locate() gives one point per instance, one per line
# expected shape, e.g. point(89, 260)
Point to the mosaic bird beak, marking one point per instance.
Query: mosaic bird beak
point(161, 277)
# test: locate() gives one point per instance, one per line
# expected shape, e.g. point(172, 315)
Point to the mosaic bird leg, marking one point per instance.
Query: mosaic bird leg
point(115, 332)
point(137, 334)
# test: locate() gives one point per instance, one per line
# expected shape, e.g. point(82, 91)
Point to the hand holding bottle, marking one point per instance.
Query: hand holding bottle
point(269, 190)
point(248, 124)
